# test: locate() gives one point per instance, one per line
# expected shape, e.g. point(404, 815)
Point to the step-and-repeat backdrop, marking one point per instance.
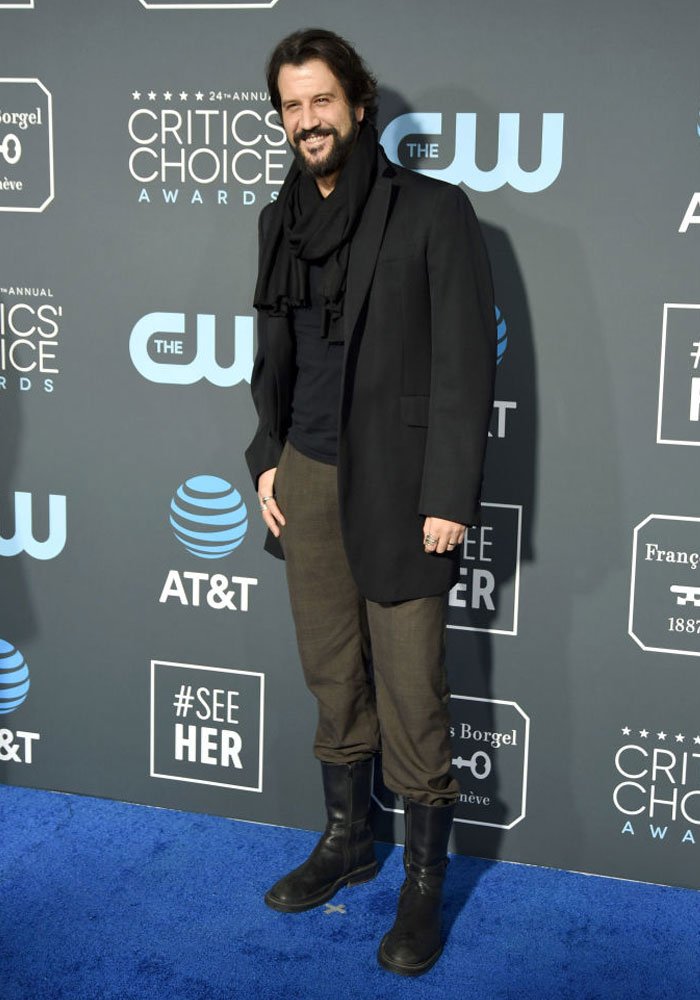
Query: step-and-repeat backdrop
point(146, 644)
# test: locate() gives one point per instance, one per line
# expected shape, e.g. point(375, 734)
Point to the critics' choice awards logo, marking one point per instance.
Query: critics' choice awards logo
point(207, 4)
point(207, 725)
point(665, 587)
point(679, 376)
point(486, 596)
point(51, 540)
point(15, 746)
point(490, 742)
point(30, 325)
point(163, 349)
point(222, 147)
point(210, 519)
point(657, 784)
point(26, 146)
point(445, 147)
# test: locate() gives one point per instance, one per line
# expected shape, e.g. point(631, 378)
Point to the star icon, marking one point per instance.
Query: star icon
point(199, 95)
point(661, 735)
point(644, 733)
point(151, 95)
point(183, 95)
point(679, 738)
point(136, 95)
point(167, 95)
point(697, 740)
point(626, 730)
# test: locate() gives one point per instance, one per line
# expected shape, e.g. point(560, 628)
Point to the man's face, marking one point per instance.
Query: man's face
point(321, 127)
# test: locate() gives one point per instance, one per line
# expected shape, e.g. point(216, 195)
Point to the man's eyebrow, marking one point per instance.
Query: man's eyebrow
point(295, 100)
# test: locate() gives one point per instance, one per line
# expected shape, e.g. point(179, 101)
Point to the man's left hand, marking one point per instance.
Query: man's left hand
point(440, 535)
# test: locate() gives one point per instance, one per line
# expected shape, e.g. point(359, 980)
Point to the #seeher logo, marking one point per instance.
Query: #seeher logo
point(208, 516)
point(14, 677)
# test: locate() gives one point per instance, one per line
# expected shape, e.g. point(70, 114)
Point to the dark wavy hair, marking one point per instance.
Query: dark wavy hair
point(357, 81)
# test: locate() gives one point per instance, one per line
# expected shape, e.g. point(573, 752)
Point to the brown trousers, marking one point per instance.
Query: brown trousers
point(399, 706)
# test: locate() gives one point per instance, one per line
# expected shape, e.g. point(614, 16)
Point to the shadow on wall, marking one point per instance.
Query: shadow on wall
point(567, 459)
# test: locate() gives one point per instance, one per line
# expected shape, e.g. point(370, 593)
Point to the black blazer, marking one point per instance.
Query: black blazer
point(417, 387)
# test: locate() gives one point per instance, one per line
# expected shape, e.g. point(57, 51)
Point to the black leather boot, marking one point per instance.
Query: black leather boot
point(413, 945)
point(345, 853)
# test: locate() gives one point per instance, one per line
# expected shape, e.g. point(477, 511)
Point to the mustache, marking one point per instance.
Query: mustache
point(307, 133)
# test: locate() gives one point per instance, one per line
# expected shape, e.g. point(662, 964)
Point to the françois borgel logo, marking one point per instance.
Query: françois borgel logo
point(207, 725)
point(490, 751)
point(486, 596)
point(222, 148)
point(30, 325)
point(17, 746)
point(664, 614)
point(207, 4)
point(679, 376)
point(210, 520)
point(163, 349)
point(50, 542)
point(444, 146)
point(26, 145)
point(657, 784)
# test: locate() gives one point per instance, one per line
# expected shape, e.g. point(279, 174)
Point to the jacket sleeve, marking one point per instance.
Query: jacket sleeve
point(463, 361)
point(264, 450)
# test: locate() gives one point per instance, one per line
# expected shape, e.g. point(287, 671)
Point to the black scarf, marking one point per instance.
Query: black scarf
point(308, 228)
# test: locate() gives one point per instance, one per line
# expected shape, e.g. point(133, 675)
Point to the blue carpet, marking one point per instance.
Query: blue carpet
point(102, 900)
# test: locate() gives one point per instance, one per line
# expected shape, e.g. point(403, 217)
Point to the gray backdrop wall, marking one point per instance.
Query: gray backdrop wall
point(146, 645)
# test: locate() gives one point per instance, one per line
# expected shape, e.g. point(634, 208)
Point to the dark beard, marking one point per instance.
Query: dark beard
point(336, 159)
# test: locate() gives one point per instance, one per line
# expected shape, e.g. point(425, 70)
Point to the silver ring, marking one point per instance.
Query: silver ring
point(263, 506)
point(263, 499)
point(429, 540)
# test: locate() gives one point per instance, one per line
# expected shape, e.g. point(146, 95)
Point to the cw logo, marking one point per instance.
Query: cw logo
point(23, 539)
point(162, 331)
point(464, 169)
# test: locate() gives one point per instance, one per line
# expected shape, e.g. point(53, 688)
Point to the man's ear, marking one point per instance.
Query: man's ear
point(359, 114)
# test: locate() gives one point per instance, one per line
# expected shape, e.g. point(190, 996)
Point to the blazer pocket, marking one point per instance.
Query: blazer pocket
point(415, 410)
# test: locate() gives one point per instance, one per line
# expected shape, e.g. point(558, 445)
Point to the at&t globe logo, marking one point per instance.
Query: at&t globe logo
point(209, 517)
point(14, 677)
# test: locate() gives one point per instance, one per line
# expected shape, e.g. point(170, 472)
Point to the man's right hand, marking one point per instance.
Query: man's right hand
point(272, 515)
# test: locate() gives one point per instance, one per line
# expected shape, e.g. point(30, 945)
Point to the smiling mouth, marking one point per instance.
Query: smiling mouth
point(312, 139)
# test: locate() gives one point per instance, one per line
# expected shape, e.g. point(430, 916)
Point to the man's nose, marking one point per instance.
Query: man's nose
point(309, 117)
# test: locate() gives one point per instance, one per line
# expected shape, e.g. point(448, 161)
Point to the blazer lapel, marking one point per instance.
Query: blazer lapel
point(363, 251)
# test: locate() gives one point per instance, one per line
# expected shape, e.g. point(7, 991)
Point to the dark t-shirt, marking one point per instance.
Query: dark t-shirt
point(319, 365)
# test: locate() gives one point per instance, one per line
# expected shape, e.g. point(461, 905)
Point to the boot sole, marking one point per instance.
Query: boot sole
point(406, 970)
point(358, 877)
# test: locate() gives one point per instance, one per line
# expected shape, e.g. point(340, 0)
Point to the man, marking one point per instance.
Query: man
point(373, 383)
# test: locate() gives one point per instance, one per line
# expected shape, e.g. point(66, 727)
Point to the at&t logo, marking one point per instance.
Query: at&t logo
point(210, 518)
point(158, 342)
point(416, 137)
point(14, 677)
point(16, 746)
point(23, 539)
